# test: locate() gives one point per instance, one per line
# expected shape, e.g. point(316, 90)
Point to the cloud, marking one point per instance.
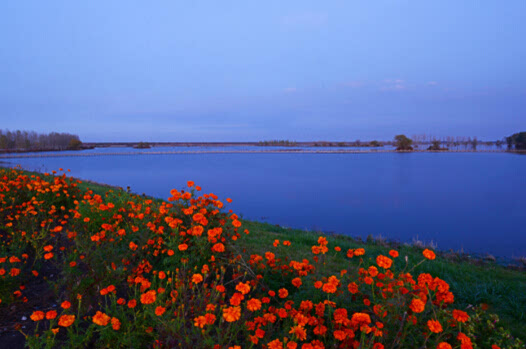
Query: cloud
point(393, 85)
point(308, 19)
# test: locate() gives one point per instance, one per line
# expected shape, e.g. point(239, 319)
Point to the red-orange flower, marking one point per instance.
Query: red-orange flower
point(66, 320)
point(101, 319)
point(159, 311)
point(460, 316)
point(50, 315)
point(444, 345)
point(115, 323)
point(232, 314)
point(37, 315)
point(429, 254)
point(148, 297)
point(183, 247)
point(384, 262)
point(434, 326)
point(283, 293)
point(417, 305)
point(253, 304)
point(197, 278)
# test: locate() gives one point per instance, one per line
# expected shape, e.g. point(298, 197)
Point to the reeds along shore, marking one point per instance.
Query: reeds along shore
point(129, 271)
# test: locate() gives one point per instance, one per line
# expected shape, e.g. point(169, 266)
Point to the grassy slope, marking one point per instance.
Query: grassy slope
point(504, 290)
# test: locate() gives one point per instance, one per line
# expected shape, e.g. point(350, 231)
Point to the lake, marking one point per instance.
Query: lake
point(469, 201)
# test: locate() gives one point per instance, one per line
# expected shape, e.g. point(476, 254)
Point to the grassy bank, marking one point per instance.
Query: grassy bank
point(187, 273)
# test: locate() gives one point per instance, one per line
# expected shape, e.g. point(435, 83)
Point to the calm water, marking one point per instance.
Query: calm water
point(464, 201)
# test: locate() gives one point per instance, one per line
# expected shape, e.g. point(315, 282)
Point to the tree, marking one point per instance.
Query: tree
point(403, 143)
point(518, 140)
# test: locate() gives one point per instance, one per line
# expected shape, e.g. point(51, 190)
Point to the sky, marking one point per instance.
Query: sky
point(250, 70)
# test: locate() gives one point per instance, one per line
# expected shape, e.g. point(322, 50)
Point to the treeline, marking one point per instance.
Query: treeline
point(32, 141)
point(281, 143)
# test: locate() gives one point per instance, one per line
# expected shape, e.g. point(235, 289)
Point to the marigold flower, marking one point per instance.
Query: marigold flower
point(48, 255)
point(360, 319)
point(339, 335)
point(200, 321)
point(253, 304)
point(101, 319)
point(353, 288)
point(148, 297)
point(190, 184)
point(197, 278)
point(417, 305)
point(296, 282)
point(384, 262)
point(393, 253)
point(275, 344)
point(434, 326)
point(460, 316)
point(444, 345)
point(132, 303)
point(429, 254)
point(37, 315)
point(65, 305)
point(115, 323)
point(182, 247)
point(133, 246)
point(159, 311)
point(219, 247)
point(244, 288)
point(48, 248)
point(299, 332)
point(50, 315)
point(66, 320)
point(359, 252)
point(283, 293)
point(232, 314)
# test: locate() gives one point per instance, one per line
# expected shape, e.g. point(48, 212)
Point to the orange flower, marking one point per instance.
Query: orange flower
point(48, 255)
point(65, 305)
point(66, 320)
point(417, 305)
point(339, 335)
point(101, 319)
point(133, 246)
point(253, 304)
point(200, 321)
point(299, 332)
point(159, 311)
point(353, 288)
point(232, 314)
point(444, 345)
point(360, 319)
point(393, 253)
point(48, 248)
point(460, 316)
point(183, 247)
point(190, 184)
point(359, 252)
point(219, 247)
point(384, 262)
point(148, 297)
point(132, 303)
point(115, 323)
point(283, 293)
point(162, 275)
point(244, 288)
point(296, 282)
point(429, 254)
point(275, 344)
point(37, 315)
point(50, 315)
point(434, 326)
point(197, 278)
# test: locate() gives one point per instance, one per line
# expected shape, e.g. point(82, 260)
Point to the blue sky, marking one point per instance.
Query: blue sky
point(246, 70)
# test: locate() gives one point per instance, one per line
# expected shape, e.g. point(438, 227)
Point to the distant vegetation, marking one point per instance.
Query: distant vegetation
point(142, 145)
point(33, 141)
point(436, 146)
point(517, 140)
point(403, 143)
point(281, 143)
